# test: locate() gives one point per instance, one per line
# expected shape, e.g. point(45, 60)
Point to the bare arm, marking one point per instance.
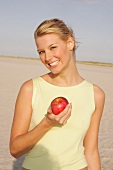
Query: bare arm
point(91, 138)
point(21, 141)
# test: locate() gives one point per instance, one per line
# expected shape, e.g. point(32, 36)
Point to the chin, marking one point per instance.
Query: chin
point(55, 72)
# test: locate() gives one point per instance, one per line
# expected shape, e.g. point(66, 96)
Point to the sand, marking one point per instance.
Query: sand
point(14, 72)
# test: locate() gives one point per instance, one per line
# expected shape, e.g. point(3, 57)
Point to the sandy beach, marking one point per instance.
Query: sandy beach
point(15, 71)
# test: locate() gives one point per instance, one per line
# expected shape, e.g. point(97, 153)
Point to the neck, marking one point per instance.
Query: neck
point(69, 77)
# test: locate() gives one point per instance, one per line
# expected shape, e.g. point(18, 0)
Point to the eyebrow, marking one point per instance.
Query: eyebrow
point(48, 46)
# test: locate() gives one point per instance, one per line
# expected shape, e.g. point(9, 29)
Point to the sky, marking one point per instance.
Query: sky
point(91, 21)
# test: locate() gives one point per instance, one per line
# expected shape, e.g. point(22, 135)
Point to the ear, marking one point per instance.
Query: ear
point(70, 43)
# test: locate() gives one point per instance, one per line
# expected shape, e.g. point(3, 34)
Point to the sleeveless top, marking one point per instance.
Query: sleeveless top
point(61, 148)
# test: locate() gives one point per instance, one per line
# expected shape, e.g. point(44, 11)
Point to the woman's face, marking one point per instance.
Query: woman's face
point(54, 53)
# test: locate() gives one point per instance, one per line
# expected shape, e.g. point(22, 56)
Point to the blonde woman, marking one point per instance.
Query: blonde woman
point(68, 141)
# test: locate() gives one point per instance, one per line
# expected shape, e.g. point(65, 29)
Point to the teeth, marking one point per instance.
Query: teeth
point(54, 63)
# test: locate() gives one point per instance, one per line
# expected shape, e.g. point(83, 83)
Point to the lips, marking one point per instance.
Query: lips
point(55, 63)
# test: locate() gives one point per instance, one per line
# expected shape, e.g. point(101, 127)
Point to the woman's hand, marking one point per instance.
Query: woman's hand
point(61, 118)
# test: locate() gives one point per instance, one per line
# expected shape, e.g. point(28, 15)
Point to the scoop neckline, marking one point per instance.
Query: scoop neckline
point(52, 85)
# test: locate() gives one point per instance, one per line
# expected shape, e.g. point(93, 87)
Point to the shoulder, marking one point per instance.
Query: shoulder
point(27, 87)
point(98, 93)
point(99, 96)
point(25, 94)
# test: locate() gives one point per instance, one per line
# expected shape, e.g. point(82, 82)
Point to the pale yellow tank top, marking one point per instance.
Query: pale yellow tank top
point(61, 148)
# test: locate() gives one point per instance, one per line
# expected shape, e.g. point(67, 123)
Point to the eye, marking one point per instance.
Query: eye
point(40, 52)
point(53, 47)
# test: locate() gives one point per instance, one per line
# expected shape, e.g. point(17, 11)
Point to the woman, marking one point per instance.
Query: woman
point(68, 141)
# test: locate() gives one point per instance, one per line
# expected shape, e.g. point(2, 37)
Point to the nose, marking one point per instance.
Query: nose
point(48, 56)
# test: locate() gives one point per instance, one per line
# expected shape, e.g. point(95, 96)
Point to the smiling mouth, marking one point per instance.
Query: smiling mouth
point(54, 63)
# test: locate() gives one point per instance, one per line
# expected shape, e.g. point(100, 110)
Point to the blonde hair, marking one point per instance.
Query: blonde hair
point(55, 26)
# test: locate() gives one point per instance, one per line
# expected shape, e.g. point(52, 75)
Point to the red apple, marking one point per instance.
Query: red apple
point(58, 105)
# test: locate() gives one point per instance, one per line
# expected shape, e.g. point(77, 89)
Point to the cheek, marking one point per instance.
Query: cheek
point(61, 52)
point(42, 59)
point(64, 53)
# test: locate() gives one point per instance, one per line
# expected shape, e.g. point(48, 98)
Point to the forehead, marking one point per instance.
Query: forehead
point(48, 39)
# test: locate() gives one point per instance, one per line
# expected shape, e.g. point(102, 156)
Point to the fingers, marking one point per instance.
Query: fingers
point(60, 118)
point(64, 116)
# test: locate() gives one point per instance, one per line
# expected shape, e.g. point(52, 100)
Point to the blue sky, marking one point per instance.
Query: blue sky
point(91, 20)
